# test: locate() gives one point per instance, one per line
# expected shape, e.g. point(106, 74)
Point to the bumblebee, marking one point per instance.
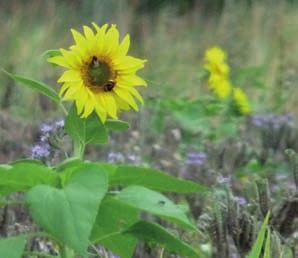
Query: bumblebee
point(109, 85)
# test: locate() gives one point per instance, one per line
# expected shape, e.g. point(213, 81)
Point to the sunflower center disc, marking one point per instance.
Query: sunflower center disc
point(98, 72)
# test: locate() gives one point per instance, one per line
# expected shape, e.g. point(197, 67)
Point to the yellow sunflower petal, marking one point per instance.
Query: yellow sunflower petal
point(131, 79)
point(71, 76)
point(125, 96)
point(128, 64)
point(124, 46)
point(133, 92)
point(111, 41)
point(101, 113)
point(110, 104)
point(88, 107)
point(59, 60)
point(72, 59)
point(121, 104)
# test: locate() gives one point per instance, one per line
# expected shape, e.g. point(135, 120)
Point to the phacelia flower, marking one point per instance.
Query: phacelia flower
point(196, 158)
point(100, 76)
point(241, 101)
point(40, 151)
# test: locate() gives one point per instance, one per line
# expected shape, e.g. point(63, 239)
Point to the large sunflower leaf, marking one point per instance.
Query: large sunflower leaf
point(68, 214)
point(153, 202)
point(154, 233)
point(117, 125)
point(113, 217)
point(21, 176)
point(36, 85)
point(153, 179)
point(12, 247)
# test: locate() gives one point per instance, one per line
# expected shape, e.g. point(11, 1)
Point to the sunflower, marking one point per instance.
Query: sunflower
point(220, 86)
point(215, 61)
point(100, 76)
point(241, 101)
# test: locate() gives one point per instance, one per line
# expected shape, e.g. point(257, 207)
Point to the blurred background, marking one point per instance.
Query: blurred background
point(181, 129)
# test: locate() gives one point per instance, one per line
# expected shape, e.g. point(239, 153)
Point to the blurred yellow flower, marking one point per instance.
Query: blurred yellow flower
point(100, 76)
point(220, 86)
point(241, 101)
point(215, 61)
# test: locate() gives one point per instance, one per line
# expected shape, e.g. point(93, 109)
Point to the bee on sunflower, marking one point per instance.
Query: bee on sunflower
point(100, 76)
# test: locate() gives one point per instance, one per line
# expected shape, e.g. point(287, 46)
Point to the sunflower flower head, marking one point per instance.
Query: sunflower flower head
point(220, 86)
point(215, 59)
point(241, 101)
point(99, 75)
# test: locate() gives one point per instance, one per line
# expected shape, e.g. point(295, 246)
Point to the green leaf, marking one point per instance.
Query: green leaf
point(51, 53)
point(145, 199)
point(12, 247)
point(267, 250)
point(114, 217)
point(69, 163)
point(151, 232)
point(68, 214)
point(257, 247)
point(36, 85)
point(85, 130)
point(153, 179)
point(117, 125)
point(23, 175)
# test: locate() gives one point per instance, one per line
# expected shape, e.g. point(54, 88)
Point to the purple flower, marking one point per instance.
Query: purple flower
point(240, 200)
point(273, 121)
point(40, 151)
point(46, 128)
point(59, 124)
point(197, 158)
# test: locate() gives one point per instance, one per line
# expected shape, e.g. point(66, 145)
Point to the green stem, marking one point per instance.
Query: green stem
point(78, 149)
point(63, 108)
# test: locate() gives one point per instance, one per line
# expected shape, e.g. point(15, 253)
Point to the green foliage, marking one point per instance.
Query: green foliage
point(112, 219)
point(267, 248)
point(12, 247)
point(51, 53)
point(259, 243)
point(130, 175)
point(153, 202)
point(23, 175)
point(85, 130)
point(117, 125)
point(68, 214)
point(38, 86)
point(153, 233)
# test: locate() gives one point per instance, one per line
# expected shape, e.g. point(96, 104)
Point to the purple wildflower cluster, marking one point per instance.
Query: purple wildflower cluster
point(273, 121)
point(42, 149)
point(196, 158)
